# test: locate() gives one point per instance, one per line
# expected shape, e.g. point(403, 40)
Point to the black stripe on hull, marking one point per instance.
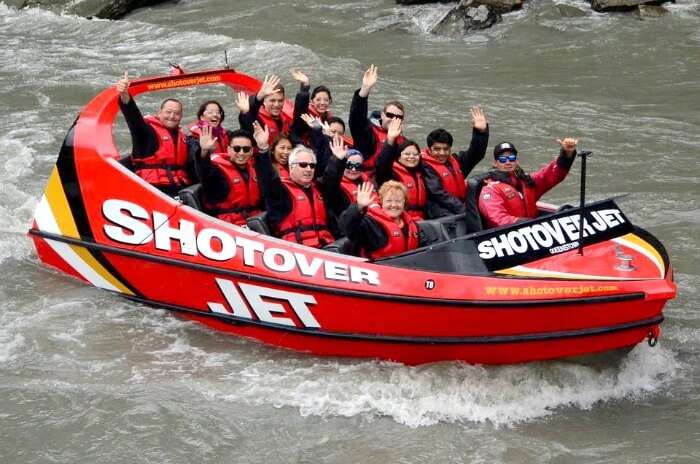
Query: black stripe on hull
point(520, 338)
point(343, 292)
point(71, 186)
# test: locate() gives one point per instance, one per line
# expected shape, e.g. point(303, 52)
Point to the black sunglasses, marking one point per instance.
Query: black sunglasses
point(353, 166)
point(304, 165)
point(391, 115)
point(238, 149)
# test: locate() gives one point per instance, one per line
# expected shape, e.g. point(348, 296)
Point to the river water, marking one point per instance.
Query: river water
point(89, 377)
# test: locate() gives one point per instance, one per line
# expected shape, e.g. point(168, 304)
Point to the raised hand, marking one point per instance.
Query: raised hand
point(268, 86)
point(568, 145)
point(123, 88)
point(242, 102)
point(338, 147)
point(261, 135)
point(311, 121)
point(479, 121)
point(300, 77)
point(369, 79)
point(394, 130)
point(206, 141)
point(364, 195)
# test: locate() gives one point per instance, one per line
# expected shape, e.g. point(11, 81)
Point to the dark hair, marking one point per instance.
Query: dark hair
point(439, 136)
point(203, 108)
point(407, 143)
point(277, 141)
point(340, 121)
point(279, 88)
point(170, 100)
point(240, 133)
point(395, 103)
point(319, 89)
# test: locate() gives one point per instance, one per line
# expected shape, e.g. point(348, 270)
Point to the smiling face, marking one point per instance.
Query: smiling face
point(441, 151)
point(410, 156)
point(282, 151)
point(353, 167)
point(393, 203)
point(240, 150)
point(504, 161)
point(274, 103)
point(170, 114)
point(212, 114)
point(322, 102)
point(336, 128)
point(301, 169)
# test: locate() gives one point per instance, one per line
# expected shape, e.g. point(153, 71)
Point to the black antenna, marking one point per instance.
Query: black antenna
point(584, 155)
point(226, 59)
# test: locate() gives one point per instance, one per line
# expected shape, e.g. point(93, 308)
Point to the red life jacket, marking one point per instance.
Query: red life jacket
point(165, 167)
point(243, 197)
point(314, 112)
point(271, 123)
point(397, 242)
point(417, 193)
point(380, 135)
point(451, 179)
point(517, 204)
point(350, 187)
point(306, 223)
point(282, 170)
point(222, 140)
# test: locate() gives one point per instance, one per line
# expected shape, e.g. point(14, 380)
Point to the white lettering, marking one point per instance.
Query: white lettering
point(233, 298)
point(502, 245)
point(249, 249)
point(204, 244)
point(569, 227)
point(599, 222)
point(306, 268)
point(336, 271)
point(184, 234)
point(554, 230)
point(544, 238)
point(138, 232)
point(527, 233)
point(265, 309)
point(516, 242)
point(357, 274)
point(611, 217)
point(270, 260)
point(486, 250)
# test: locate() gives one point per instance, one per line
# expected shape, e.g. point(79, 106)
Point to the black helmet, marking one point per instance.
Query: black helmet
point(501, 147)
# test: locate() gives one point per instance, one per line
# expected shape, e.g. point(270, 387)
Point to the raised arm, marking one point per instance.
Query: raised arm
point(358, 121)
point(477, 146)
point(143, 138)
point(389, 153)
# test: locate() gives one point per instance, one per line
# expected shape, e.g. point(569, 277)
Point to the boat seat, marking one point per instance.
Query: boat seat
point(472, 219)
point(258, 223)
point(431, 231)
point(343, 246)
point(455, 225)
point(192, 196)
point(127, 162)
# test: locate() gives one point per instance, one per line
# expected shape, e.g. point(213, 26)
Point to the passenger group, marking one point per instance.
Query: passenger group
point(313, 184)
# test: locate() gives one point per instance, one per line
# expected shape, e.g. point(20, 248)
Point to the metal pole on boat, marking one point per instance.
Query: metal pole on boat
point(584, 155)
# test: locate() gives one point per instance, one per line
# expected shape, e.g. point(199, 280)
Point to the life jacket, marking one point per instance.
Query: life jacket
point(222, 139)
point(520, 204)
point(306, 223)
point(451, 179)
point(282, 170)
point(165, 167)
point(322, 116)
point(417, 196)
point(350, 187)
point(380, 135)
point(243, 198)
point(397, 242)
point(271, 123)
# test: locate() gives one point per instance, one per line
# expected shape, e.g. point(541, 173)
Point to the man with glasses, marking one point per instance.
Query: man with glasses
point(229, 181)
point(369, 136)
point(445, 172)
point(509, 194)
point(296, 210)
point(160, 150)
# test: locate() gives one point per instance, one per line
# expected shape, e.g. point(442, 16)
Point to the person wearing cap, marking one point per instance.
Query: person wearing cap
point(445, 171)
point(509, 194)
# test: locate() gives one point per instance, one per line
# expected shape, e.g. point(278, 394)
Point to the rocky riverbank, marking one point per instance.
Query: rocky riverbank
point(480, 14)
point(104, 9)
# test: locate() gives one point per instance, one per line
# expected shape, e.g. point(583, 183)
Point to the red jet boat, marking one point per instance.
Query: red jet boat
point(507, 295)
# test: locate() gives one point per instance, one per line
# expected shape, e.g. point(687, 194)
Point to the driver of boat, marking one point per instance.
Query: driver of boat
point(229, 181)
point(296, 210)
point(380, 229)
point(266, 108)
point(509, 194)
point(161, 153)
point(445, 171)
point(369, 135)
